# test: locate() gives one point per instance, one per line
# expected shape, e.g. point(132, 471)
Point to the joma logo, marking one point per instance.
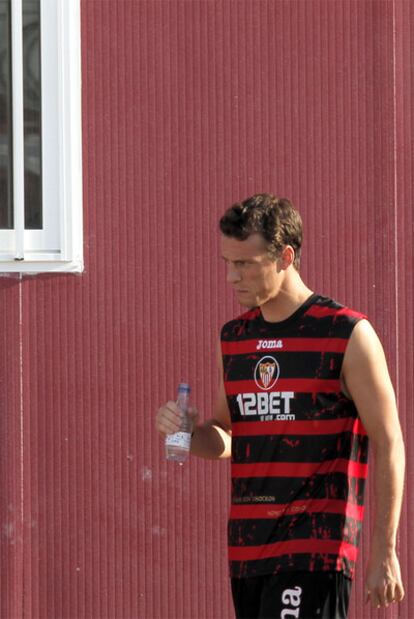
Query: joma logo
point(269, 344)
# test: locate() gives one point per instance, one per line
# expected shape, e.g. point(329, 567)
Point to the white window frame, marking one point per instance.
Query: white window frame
point(59, 245)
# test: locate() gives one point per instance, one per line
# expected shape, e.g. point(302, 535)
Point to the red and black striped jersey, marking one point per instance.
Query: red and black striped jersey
point(299, 448)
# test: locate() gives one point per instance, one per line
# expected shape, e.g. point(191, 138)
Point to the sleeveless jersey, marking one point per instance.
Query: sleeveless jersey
point(299, 448)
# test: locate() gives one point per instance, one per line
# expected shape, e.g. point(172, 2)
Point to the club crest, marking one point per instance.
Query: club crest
point(266, 372)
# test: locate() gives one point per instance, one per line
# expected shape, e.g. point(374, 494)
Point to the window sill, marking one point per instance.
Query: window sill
point(39, 266)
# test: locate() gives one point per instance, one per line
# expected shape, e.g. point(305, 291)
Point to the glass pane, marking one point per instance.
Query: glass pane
point(32, 115)
point(6, 183)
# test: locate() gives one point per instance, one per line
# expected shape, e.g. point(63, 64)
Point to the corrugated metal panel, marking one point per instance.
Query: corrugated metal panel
point(404, 281)
point(189, 105)
point(11, 503)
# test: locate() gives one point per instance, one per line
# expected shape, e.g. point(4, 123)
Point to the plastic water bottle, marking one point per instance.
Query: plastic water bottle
point(177, 446)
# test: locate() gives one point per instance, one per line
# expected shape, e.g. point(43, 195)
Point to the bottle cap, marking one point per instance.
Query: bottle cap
point(184, 387)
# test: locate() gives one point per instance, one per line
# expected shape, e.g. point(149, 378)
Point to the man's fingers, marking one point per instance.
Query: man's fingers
point(373, 595)
point(399, 592)
point(193, 415)
point(390, 593)
point(382, 595)
point(168, 419)
point(385, 595)
point(375, 599)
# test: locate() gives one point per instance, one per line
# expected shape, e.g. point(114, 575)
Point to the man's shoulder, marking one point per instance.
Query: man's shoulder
point(327, 317)
point(240, 324)
point(324, 307)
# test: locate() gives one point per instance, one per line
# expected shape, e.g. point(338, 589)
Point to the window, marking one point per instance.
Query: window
point(40, 136)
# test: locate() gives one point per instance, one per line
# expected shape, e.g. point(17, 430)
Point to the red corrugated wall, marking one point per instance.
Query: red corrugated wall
point(187, 106)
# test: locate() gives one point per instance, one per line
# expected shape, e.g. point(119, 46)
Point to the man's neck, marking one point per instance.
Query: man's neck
point(291, 296)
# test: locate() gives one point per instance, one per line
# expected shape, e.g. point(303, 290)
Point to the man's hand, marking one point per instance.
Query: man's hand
point(169, 418)
point(383, 579)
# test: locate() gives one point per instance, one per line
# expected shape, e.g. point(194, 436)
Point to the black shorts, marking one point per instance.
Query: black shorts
point(292, 595)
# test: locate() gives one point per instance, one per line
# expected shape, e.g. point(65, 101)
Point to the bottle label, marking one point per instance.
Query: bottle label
point(179, 439)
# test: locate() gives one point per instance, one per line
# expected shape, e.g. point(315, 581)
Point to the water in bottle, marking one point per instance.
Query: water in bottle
point(177, 446)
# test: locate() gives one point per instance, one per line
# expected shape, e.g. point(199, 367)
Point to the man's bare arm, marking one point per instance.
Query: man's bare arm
point(211, 439)
point(366, 378)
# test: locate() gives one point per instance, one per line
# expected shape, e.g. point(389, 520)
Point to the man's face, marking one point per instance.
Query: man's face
point(254, 275)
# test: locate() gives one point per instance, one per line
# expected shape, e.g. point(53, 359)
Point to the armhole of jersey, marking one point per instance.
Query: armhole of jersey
point(344, 390)
point(221, 339)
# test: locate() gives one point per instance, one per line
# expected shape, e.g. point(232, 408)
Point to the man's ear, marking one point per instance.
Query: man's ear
point(287, 257)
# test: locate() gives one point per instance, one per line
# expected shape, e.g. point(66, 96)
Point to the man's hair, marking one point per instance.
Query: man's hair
point(275, 219)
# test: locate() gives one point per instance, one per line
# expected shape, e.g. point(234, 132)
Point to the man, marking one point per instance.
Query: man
point(304, 386)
